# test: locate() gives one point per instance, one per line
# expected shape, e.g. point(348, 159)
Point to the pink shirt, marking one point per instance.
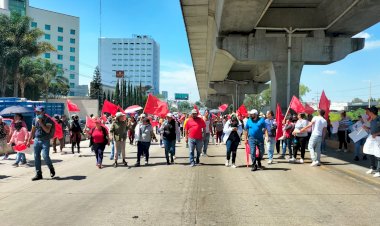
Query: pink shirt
point(19, 137)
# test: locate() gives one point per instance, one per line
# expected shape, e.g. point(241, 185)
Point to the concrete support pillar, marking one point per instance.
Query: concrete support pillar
point(279, 80)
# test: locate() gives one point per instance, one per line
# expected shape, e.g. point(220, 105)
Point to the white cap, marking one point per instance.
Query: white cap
point(253, 112)
point(143, 115)
point(119, 114)
point(170, 115)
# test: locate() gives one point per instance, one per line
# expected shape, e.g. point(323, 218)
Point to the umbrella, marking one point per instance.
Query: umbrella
point(215, 111)
point(16, 109)
point(132, 109)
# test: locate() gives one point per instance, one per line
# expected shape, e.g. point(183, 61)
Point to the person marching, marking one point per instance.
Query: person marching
point(208, 131)
point(99, 138)
point(144, 138)
point(76, 133)
point(4, 131)
point(61, 141)
point(169, 137)
point(131, 129)
point(41, 132)
point(20, 136)
point(300, 138)
point(194, 130)
point(232, 131)
point(119, 135)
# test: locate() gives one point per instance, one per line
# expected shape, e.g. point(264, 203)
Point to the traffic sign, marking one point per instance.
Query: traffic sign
point(181, 96)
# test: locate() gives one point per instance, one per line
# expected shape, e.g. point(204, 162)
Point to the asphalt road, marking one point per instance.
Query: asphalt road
point(337, 193)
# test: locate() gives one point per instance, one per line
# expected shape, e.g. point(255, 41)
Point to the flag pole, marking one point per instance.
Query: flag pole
point(287, 111)
point(146, 102)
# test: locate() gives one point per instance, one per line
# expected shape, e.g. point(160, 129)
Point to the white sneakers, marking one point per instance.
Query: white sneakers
point(345, 150)
point(292, 160)
point(227, 163)
point(370, 171)
point(270, 161)
point(314, 163)
point(233, 166)
point(376, 174)
point(338, 150)
point(300, 161)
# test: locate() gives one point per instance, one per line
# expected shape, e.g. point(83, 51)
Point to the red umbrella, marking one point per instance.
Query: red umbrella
point(133, 109)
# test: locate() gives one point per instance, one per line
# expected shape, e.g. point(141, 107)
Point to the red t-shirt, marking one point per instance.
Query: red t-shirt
point(97, 136)
point(194, 127)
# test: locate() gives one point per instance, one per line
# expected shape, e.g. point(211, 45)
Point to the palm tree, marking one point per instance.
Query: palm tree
point(28, 72)
point(20, 42)
point(51, 77)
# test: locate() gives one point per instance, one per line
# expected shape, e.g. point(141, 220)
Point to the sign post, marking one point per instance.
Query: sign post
point(181, 96)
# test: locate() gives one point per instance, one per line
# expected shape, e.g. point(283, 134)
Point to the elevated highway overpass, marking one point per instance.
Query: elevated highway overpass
point(238, 46)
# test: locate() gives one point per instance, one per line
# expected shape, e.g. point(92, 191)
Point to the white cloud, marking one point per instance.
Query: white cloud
point(363, 35)
point(329, 72)
point(372, 44)
point(178, 78)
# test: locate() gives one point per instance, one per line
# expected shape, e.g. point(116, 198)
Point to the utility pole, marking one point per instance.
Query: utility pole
point(370, 94)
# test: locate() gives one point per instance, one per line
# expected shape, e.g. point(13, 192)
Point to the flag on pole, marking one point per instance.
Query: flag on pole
point(109, 108)
point(324, 104)
point(58, 133)
point(155, 106)
point(90, 123)
point(242, 111)
point(223, 107)
point(71, 107)
point(296, 105)
point(308, 109)
point(279, 119)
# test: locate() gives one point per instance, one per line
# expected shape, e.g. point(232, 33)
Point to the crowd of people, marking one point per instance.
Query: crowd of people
point(257, 130)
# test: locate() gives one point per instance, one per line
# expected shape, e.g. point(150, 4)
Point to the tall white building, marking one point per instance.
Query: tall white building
point(138, 57)
point(62, 32)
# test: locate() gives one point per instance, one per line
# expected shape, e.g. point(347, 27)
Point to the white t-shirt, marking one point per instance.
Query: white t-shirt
point(318, 124)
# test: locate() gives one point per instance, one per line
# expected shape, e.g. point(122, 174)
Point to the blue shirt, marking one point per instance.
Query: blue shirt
point(255, 128)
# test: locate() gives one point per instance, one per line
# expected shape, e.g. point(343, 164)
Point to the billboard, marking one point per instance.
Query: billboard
point(181, 96)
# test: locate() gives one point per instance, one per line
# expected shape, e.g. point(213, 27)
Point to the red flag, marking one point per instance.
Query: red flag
point(109, 108)
point(90, 123)
point(58, 133)
point(308, 109)
point(324, 104)
point(155, 106)
point(71, 107)
point(103, 118)
point(223, 107)
point(279, 118)
point(196, 108)
point(296, 105)
point(120, 109)
point(242, 111)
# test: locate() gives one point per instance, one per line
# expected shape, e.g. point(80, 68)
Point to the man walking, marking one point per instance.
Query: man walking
point(255, 137)
point(41, 133)
point(194, 134)
point(119, 135)
point(169, 135)
point(270, 134)
point(319, 130)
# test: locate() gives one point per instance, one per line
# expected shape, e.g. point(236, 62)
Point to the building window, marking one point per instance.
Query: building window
point(60, 66)
point(72, 76)
point(72, 85)
point(72, 50)
point(34, 24)
point(60, 39)
point(47, 27)
point(72, 67)
point(47, 37)
point(72, 40)
point(72, 94)
point(60, 57)
point(72, 31)
point(60, 29)
point(47, 55)
point(72, 58)
point(60, 48)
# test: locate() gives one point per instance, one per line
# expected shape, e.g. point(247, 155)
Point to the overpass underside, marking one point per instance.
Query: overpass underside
point(239, 46)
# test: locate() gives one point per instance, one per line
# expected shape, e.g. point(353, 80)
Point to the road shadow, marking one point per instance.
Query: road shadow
point(276, 169)
point(4, 176)
point(70, 178)
point(31, 162)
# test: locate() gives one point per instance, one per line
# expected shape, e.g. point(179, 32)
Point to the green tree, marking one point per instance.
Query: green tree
point(109, 95)
point(124, 94)
point(20, 41)
point(117, 93)
point(96, 88)
point(28, 73)
point(51, 75)
point(357, 100)
point(303, 90)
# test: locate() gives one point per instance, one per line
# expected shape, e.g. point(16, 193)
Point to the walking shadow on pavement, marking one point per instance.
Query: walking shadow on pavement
point(70, 178)
point(3, 176)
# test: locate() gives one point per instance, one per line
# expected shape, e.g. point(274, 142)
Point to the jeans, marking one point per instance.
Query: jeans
point(299, 144)
point(232, 147)
point(41, 146)
point(270, 147)
point(113, 150)
point(315, 146)
point(194, 144)
point(373, 166)
point(253, 143)
point(143, 149)
point(358, 146)
point(169, 148)
point(287, 143)
point(342, 135)
point(219, 136)
point(206, 140)
point(20, 157)
point(99, 150)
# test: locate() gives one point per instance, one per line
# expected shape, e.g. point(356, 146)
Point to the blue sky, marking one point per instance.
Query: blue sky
point(342, 81)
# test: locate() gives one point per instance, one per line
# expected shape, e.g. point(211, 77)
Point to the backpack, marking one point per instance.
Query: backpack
point(3, 133)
